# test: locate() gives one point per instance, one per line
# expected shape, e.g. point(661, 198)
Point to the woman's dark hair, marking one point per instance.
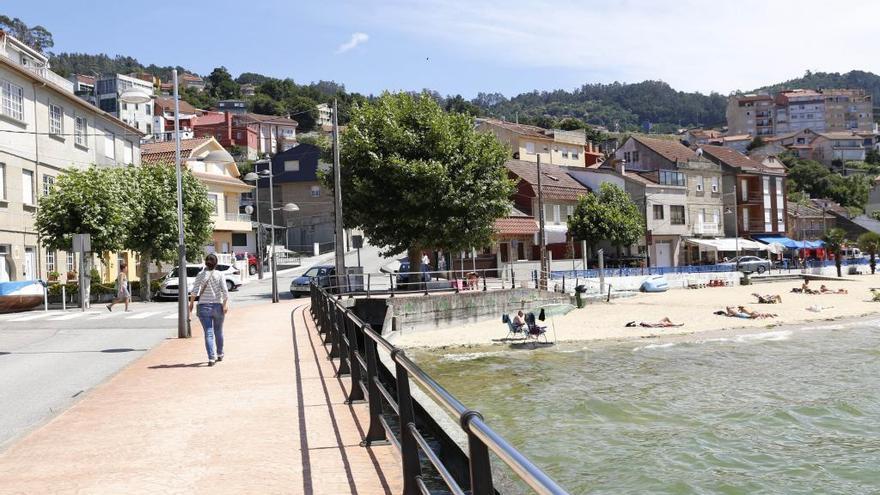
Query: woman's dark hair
point(122, 265)
point(210, 261)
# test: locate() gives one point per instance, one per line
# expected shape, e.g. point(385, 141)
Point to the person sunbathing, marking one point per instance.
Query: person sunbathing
point(768, 299)
point(665, 322)
point(755, 314)
point(826, 290)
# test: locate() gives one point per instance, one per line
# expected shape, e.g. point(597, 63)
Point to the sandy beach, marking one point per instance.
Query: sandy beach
point(692, 307)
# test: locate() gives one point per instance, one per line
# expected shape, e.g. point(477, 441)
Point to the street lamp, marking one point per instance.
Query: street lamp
point(138, 95)
point(252, 177)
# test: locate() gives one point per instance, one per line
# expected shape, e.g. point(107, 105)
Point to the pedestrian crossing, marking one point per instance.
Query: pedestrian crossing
point(76, 314)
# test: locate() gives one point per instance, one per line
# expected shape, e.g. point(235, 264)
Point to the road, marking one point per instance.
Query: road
point(48, 360)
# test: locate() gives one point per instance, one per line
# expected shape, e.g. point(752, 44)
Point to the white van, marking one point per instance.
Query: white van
point(851, 253)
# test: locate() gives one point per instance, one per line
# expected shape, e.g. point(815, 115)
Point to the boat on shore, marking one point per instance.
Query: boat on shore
point(20, 296)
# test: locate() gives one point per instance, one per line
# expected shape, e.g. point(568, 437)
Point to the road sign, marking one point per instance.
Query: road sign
point(82, 242)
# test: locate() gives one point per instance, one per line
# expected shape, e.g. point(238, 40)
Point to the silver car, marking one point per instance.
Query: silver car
point(751, 264)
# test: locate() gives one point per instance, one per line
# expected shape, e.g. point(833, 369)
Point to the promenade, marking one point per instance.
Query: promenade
point(268, 419)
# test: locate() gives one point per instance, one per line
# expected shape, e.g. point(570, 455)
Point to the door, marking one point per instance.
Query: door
point(504, 249)
point(520, 250)
point(29, 269)
point(663, 252)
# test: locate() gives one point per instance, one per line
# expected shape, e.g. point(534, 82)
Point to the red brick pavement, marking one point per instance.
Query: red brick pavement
point(269, 419)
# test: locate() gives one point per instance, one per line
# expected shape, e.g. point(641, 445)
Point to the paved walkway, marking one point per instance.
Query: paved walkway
point(269, 419)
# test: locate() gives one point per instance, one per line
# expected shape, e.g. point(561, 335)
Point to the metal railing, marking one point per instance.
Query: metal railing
point(425, 282)
point(238, 217)
point(390, 403)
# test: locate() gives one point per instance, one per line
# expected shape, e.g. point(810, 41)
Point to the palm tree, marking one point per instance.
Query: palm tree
point(869, 242)
point(835, 240)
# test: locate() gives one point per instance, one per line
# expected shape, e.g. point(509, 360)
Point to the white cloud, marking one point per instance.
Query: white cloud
point(356, 39)
point(691, 44)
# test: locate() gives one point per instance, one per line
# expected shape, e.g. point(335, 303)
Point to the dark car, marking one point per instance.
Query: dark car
point(403, 276)
point(322, 274)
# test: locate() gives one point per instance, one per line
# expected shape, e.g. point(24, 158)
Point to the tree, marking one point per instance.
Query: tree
point(36, 37)
point(221, 85)
point(755, 143)
point(415, 177)
point(152, 228)
point(835, 240)
point(609, 215)
point(872, 157)
point(458, 104)
point(265, 105)
point(869, 242)
point(571, 124)
point(304, 110)
point(545, 121)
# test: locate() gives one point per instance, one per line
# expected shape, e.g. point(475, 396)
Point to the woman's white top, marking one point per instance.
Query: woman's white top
point(210, 287)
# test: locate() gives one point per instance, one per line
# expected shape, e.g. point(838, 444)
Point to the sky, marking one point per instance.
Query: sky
point(465, 47)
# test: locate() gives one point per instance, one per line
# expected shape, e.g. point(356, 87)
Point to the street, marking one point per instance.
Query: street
point(49, 359)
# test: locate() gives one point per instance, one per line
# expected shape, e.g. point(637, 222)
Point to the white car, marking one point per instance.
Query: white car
point(169, 286)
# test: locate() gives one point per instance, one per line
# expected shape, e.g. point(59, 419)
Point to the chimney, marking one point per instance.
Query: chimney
point(620, 167)
point(227, 121)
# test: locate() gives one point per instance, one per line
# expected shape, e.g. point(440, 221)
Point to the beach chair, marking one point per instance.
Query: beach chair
point(535, 331)
point(513, 330)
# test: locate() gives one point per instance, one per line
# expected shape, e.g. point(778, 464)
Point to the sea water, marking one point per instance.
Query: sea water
point(775, 411)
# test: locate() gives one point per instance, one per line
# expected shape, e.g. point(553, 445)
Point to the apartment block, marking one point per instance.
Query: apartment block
point(138, 115)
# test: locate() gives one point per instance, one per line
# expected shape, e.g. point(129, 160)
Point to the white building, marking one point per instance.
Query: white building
point(44, 129)
point(138, 115)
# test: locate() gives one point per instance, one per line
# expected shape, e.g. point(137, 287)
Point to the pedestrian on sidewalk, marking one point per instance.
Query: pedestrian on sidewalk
point(210, 288)
point(123, 289)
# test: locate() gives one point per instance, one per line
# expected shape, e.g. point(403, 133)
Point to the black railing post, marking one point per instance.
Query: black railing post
point(478, 454)
point(375, 433)
point(485, 288)
point(512, 278)
point(342, 321)
point(391, 284)
point(356, 394)
point(409, 449)
point(333, 329)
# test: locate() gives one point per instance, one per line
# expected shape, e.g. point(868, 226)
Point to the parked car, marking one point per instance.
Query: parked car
point(251, 262)
point(168, 288)
point(322, 274)
point(432, 282)
point(749, 264)
point(851, 253)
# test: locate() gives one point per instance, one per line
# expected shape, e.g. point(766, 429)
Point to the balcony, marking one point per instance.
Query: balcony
point(706, 228)
point(238, 217)
point(41, 71)
point(236, 222)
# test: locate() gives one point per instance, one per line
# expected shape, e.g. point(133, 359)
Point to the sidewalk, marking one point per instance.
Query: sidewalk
point(268, 419)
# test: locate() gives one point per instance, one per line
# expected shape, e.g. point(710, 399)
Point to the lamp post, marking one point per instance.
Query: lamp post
point(735, 227)
point(252, 177)
point(137, 95)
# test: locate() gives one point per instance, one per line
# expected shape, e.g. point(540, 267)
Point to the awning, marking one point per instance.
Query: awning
point(554, 234)
point(790, 243)
point(728, 244)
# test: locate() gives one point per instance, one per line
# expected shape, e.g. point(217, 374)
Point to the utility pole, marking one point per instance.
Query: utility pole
point(542, 240)
point(337, 199)
point(183, 330)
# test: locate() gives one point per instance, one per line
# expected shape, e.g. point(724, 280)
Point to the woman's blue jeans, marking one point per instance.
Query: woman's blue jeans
point(211, 315)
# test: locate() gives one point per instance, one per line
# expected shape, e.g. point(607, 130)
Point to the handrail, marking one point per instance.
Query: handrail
point(350, 339)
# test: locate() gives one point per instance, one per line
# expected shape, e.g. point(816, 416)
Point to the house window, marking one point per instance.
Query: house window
point(149, 128)
point(50, 261)
point(699, 183)
point(676, 214)
point(48, 184)
point(129, 153)
point(574, 154)
point(714, 184)
point(658, 212)
point(79, 131)
point(239, 240)
point(291, 166)
point(239, 134)
point(56, 119)
point(530, 148)
point(109, 145)
point(670, 178)
point(2, 181)
point(27, 187)
point(316, 191)
point(215, 200)
point(12, 98)
point(635, 157)
point(626, 157)
point(556, 214)
point(71, 262)
point(148, 109)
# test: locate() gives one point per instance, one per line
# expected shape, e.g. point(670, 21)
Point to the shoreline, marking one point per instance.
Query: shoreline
point(605, 322)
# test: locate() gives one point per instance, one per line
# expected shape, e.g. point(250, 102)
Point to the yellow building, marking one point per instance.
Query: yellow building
point(527, 142)
point(216, 169)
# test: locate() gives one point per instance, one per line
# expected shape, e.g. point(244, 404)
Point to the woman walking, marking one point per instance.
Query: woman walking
point(210, 288)
point(123, 291)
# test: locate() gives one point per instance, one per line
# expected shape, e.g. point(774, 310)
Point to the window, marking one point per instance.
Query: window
point(27, 187)
point(215, 200)
point(699, 183)
point(635, 157)
point(530, 148)
point(2, 181)
point(670, 178)
point(556, 214)
point(239, 134)
point(56, 119)
point(48, 184)
point(574, 154)
point(129, 153)
point(626, 156)
point(569, 211)
point(714, 184)
point(109, 145)
point(291, 166)
point(71, 262)
point(564, 152)
point(50, 261)
point(149, 128)
point(239, 239)
point(316, 191)
point(12, 97)
point(80, 130)
point(658, 212)
point(676, 214)
point(148, 109)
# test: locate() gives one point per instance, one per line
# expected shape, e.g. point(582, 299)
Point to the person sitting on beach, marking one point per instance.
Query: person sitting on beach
point(755, 314)
point(665, 322)
point(519, 320)
point(805, 288)
point(826, 290)
point(473, 281)
point(768, 299)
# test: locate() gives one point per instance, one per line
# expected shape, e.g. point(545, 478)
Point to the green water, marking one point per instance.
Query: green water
point(783, 412)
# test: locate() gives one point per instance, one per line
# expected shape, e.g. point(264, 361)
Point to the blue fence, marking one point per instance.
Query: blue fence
point(663, 270)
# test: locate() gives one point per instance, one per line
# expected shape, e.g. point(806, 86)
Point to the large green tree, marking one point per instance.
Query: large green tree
point(36, 37)
point(221, 85)
point(607, 215)
point(152, 228)
point(835, 241)
point(415, 177)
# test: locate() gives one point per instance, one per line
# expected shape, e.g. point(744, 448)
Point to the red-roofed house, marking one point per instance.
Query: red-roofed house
point(255, 134)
